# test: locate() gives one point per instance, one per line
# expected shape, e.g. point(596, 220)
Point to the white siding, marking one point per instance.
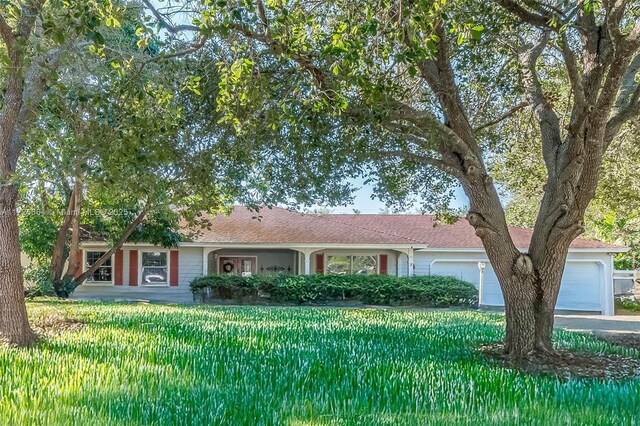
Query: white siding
point(190, 265)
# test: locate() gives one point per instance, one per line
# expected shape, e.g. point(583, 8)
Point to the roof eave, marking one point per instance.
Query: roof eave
point(524, 249)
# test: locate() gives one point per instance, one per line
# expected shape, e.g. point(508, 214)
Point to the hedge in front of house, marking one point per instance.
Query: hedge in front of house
point(431, 290)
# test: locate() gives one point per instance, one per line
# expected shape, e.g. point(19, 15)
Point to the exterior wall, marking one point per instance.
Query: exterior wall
point(587, 283)
point(189, 267)
point(391, 260)
point(264, 259)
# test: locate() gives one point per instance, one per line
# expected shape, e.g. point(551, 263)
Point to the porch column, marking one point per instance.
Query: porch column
point(205, 259)
point(205, 262)
point(412, 267)
point(307, 252)
point(307, 263)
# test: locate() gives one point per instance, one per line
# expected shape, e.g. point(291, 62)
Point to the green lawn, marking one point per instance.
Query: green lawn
point(158, 364)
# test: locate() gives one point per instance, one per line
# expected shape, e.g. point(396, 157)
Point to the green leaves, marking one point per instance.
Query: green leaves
point(476, 32)
point(371, 289)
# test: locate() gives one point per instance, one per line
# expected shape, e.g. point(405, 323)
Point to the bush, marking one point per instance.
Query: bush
point(432, 290)
point(628, 304)
point(37, 281)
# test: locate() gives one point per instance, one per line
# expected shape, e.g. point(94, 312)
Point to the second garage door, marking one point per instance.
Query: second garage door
point(581, 287)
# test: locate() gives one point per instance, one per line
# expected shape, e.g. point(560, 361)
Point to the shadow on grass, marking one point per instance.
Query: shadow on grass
point(246, 365)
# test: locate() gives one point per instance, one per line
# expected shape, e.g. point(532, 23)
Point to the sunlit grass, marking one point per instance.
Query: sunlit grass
point(160, 364)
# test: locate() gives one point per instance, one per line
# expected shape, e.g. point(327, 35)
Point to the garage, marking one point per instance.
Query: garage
point(586, 283)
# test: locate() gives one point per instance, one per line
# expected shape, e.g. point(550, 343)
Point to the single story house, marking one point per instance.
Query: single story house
point(278, 240)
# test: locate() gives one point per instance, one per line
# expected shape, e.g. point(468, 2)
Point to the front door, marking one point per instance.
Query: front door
point(237, 265)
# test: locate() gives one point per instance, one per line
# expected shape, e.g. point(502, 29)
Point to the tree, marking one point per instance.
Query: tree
point(130, 130)
point(612, 215)
point(36, 37)
point(414, 90)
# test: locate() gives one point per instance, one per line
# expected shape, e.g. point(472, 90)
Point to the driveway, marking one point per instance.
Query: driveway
point(599, 324)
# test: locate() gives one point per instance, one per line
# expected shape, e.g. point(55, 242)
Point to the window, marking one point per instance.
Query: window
point(154, 268)
point(338, 265)
point(365, 265)
point(343, 265)
point(104, 272)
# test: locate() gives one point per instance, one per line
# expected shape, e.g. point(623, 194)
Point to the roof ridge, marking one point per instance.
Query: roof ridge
point(371, 229)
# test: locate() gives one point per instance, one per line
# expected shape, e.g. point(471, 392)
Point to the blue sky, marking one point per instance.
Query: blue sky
point(365, 204)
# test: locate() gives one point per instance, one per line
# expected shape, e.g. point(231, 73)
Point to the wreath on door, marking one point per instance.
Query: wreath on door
point(227, 267)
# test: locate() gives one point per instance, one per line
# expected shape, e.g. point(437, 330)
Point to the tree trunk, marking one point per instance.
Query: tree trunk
point(74, 265)
point(14, 325)
point(57, 257)
point(118, 244)
point(517, 282)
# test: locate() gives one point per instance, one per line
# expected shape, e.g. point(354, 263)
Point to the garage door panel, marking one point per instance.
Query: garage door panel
point(580, 288)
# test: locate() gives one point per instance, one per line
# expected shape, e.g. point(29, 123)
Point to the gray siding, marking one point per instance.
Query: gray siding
point(190, 265)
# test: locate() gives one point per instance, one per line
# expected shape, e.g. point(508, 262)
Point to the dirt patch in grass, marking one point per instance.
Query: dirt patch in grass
point(626, 340)
point(568, 364)
point(54, 323)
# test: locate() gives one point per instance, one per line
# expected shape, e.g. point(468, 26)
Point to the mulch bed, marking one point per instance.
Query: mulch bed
point(53, 324)
point(626, 340)
point(566, 364)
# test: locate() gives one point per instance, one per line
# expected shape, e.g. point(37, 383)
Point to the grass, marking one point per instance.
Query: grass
point(160, 364)
point(627, 307)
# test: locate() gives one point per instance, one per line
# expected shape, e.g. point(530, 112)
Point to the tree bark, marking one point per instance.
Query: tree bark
point(118, 244)
point(57, 257)
point(74, 248)
point(14, 325)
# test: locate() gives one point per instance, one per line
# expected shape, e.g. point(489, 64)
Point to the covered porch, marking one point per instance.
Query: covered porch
point(245, 261)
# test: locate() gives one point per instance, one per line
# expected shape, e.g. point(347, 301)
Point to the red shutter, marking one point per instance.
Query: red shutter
point(384, 264)
point(81, 266)
point(133, 268)
point(118, 268)
point(320, 263)
point(173, 268)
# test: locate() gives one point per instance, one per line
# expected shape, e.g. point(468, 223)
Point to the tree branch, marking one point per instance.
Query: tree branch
point(503, 117)
point(547, 118)
point(173, 29)
point(319, 76)
point(199, 44)
point(632, 110)
point(526, 15)
point(35, 82)
point(430, 161)
point(575, 79)
point(6, 32)
point(614, 12)
point(116, 246)
point(440, 77)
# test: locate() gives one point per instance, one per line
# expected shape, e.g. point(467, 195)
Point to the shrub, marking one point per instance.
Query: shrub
point(37, 281)
point(429, 290)
point(628, 304)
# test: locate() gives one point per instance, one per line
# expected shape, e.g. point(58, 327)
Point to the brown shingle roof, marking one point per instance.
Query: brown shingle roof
point(277, 225)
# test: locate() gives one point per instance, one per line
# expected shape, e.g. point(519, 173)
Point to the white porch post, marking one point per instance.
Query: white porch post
point(307, 263)
point(205, 262)
point(307, 252)
point(412, 267)
point(205, 259)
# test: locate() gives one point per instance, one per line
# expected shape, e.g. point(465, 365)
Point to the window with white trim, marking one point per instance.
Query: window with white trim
point(359, 265)
point(104, 273)
point(155, 268)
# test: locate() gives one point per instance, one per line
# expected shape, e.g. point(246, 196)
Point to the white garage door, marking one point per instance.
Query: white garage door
point(580, 289)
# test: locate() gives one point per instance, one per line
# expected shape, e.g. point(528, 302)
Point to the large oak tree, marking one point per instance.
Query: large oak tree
point(414, 89)
point(124, 126)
